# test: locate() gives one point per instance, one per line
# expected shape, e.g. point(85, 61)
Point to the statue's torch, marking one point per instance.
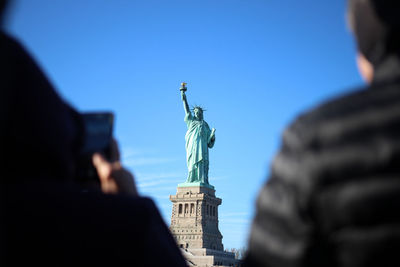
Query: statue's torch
point(183, 87)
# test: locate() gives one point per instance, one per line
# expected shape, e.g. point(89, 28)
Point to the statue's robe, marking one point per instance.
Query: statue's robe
point(197, 145)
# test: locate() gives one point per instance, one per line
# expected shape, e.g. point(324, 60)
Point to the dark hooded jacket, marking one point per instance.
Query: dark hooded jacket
point(45, 217)
point(333, 195)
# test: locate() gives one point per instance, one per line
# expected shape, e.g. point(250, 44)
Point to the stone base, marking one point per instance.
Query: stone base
point(194, 220)
point(194, 225)
point(195, 184)
point(203, 257)
point(189, 189)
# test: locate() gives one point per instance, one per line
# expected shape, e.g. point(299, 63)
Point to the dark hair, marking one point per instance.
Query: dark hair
point(376, 26)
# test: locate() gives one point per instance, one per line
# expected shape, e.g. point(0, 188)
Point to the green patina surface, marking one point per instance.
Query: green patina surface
point(199, 138)
point(195, 184)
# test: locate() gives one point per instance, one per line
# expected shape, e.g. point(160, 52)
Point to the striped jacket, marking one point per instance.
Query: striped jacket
point(333, 195)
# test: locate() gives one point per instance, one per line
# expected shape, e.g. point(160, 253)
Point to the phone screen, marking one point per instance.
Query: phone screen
point(98, 132)
point(97, 137)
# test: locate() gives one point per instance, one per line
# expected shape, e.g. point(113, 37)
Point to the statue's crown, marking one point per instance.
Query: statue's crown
point(199, 108)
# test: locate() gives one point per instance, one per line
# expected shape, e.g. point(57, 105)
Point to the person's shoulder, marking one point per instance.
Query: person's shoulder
point(345, 115)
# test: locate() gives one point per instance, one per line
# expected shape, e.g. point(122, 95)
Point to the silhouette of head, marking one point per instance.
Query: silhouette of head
point(376, 26)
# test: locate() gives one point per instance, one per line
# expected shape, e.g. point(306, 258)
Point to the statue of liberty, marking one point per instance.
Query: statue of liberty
point(198, 139)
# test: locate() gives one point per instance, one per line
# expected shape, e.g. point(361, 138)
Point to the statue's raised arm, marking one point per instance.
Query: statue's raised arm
point(185, 103)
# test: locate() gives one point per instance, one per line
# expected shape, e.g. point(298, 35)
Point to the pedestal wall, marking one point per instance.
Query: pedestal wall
point(194, 220)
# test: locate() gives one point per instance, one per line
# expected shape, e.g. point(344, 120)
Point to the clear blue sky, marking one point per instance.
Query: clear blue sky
point(254, 65)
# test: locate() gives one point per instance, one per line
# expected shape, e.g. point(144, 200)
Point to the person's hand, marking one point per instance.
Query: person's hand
point(114, 178)
point(183, 95)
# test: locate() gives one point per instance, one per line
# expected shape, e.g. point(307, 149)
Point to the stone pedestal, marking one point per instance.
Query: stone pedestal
point(194, 220)
point(194, 224)
point(209, 257)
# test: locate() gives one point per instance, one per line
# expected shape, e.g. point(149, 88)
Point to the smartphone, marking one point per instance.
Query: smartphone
point(97, 137)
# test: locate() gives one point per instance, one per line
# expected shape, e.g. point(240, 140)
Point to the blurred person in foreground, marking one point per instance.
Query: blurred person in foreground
point(333, 196)
point(45, 217)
